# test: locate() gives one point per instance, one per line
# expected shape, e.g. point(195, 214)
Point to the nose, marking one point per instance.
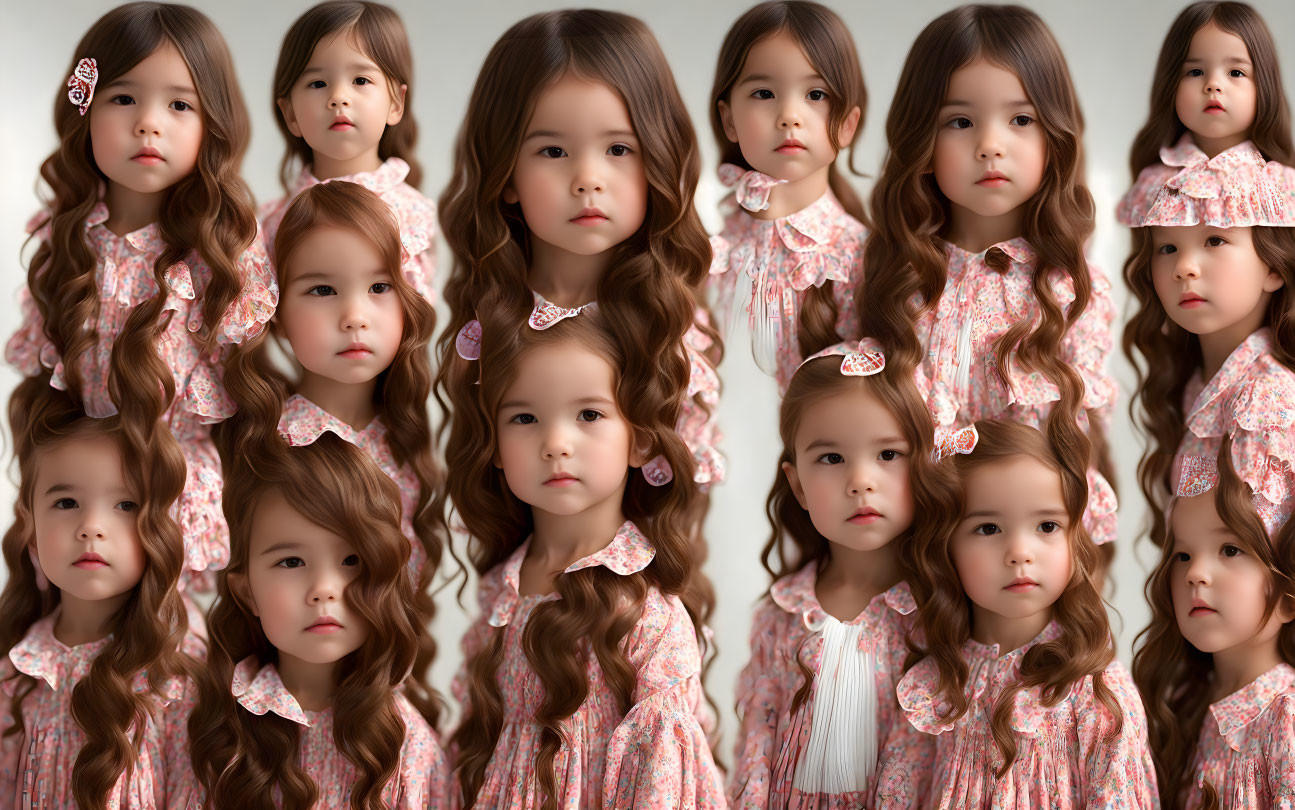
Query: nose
point(148, 121)
point(91, 527)
point(356, 317)
point(1214, 81)
point(1198, 571)
point(339, 98)
point(327, 587)
point(789, 114)
point(588, 177)
point(1186, 268)
point(1019, 550)
point(862, 479)
point(557, 444)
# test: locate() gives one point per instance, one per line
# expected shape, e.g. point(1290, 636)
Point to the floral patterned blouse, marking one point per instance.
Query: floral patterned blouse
point(124, 276)
point(1246, 749)
point(781, 759)
point(762, 268)
point(654, 756)
point(1065, 754)
point(1251, 400)
point(985, 294)
point(303, 422)
point(36, 765)
point(415, 214)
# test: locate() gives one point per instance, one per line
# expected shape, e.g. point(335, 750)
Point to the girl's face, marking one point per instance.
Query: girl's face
point(146, 126)
point(1220, 591)
point(342, 102)
point(85, 517)
point(297, 573)
point(1216, 89)
point(338, 307)
point(1211, 279)
point(990, 149)
point(851, 470)
point(778, 112)
point(564, 446)
point(1012, 546)
point(579, 177)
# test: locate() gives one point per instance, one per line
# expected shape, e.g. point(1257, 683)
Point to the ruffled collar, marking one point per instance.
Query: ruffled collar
point(796, 595)
point(628, 553)
point(1018, 250)
point(42, 656)
point(751, 189)
point(1201, 419)
point(259, 689)
point(1186, 154)
point(1241, 708)
point(303, 422)
point(974, 651)
point(546, 313)
point(147, 239)
point(390, 174)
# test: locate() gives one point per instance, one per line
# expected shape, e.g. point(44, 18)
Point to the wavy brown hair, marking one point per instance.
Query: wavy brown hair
point(651, 292)
point(147, 630)
point(598, 608)
point(795, 542)
point(246, 760)
point(830, 49)
point(261, 389)
point(1173, 675)
point(377, 31)
point(1165, 357)
point(944, 610)
point(1271, 130)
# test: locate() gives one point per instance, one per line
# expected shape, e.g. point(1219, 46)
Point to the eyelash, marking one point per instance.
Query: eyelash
point(124, 100)
point(625, 149)
point(127, 506)
point(318, 289)
point(360, 80)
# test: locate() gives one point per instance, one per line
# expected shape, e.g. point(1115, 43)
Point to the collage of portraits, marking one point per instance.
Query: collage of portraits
point(258, 447)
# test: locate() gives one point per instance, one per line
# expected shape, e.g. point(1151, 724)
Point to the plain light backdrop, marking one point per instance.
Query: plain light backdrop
point(1111, 46)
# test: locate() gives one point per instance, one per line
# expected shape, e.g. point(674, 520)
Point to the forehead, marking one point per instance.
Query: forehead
point(559, 372)
point(335, 250)
point(92, 461)
point(344, 46)
point(1212, 41)
point(983, 82)
point(1196, 519)
point(574, 103)
point(1018, 484)
point(275, 520)
point(853, 416)
point(778, 52)
point(164, 67)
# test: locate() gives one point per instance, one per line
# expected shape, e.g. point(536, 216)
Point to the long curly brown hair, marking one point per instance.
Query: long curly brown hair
point(379, 33)
point(146, 632)
point(1084, 647)
point(830, 49)
point(1171, 674)
point(261, 389)
point(247, 760)
point(598, 608)
point(794, 542)
point(1165, 357)
point(1271, 130)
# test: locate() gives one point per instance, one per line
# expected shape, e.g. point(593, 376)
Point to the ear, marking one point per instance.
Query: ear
point(793, 478)
point(397, 111)
point(849, 126)
point(640, 449)
point(510, 194)
point(42, 582)
point(242, 590)
point(726, 119)
point(1285, 610)
point(1273, 282)
point(289, 117)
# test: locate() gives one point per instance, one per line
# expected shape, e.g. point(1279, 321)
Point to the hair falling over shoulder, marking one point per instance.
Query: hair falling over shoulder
point(598, 608)
point(147, 631)
point(1168, 670)
point(378, 32)
point(245, 760)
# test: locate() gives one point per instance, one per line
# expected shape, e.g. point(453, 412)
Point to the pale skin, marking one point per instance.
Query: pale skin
point(1216, 95)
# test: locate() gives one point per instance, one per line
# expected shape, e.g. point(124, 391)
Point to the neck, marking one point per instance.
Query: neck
point(867, 572)
point(1216, 347)
point(565, 278)
point(1241, 665)
point(975, 232)
point(560, 540)
point(81, 621)
point(313, 685)
point(1008, 633)
point(128, 210)
point(324, 167)
point(350, 402)
point(1212, 147)
point(797, 195)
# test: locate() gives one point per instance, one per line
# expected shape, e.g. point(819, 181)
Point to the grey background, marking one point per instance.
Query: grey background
point(1111, 46)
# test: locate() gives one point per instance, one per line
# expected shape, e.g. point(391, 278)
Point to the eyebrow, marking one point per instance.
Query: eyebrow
point(550, 133)
point(957, 102)
point(363, 67)
point(764, 77)
point(285, 545)
point(1039, 513)
point(180, 89)
point(1236, 60)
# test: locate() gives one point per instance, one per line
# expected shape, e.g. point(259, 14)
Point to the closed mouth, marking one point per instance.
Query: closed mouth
point(1190, 299)
point(561, 479)
point(589, 216)
point(864, 516)
point(325, 624)
point(356, 350)
point(90, 560)
point(148, 154)
point(342, 122)
point(992, 179)
point(1021, 585)
point(791, 145)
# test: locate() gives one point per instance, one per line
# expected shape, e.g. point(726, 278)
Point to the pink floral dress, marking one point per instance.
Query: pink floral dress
point(415, 213)
point(782, 759)
point(124, 276)
point(1247, 746)
point(763, 267)
point(1065, 757)
point(303, 422)
point(1252, 401)
point(36, 765)
point(655, 756)
point(985, 294)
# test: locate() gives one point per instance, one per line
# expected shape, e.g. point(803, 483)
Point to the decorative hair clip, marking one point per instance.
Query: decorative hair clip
point(468, 342)
point(658, 472)
point(751, 188)
point(545, 313)
point(858, 359)
point(952, 441)
point(82, 82)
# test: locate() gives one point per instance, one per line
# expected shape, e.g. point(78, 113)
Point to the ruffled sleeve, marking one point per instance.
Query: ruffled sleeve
point(255, 303)
point(421, 780)
point(1118, 772)
point(183, 791)
point(1281, 754)
point(29, 349)
point(1263, 447)
point(759, 705)
point(907, 760)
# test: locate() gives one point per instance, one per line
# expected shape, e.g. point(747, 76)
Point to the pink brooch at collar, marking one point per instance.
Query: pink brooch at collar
point(751, 188)
point(949, 441)
point(81, 83)
point(546, 313)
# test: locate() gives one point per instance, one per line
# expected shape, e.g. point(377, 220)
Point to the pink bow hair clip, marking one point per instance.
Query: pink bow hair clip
point(861, 359)
point(82, 82)
point(950, 441)
point(658, 471)
point(468, 341)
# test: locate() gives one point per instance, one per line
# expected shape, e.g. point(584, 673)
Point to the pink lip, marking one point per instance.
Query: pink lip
point(356, 351)
point(148, 156)
point(864, 517)
point(993, 180)
point(1200, 608)
point(341, 122)
point(90, 561)
point(1190, 301)
point(561, 480)
point(589, 216)
point(325, 624)
point(1215, 106)
point(791, 146)
point(1021, 585)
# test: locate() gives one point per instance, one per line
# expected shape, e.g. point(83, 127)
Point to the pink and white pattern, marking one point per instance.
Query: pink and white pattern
point(546, 313)
point(415, 214)
point(763, 268)
point(654, 756)
point(82, 82)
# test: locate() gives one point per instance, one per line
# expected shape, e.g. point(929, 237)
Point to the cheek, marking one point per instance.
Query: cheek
point(947, 159)
point(1183, 101)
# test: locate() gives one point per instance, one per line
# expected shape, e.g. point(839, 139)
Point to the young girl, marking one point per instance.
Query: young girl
point(1017, 676)
point(975, 270)
point(148, 268)
point(94, 637)
point(788, 97)
point(857, 483)
point(342, 89)
point(313, 630)
point(358, 333)
point(1221, 604)
point(582, 682)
